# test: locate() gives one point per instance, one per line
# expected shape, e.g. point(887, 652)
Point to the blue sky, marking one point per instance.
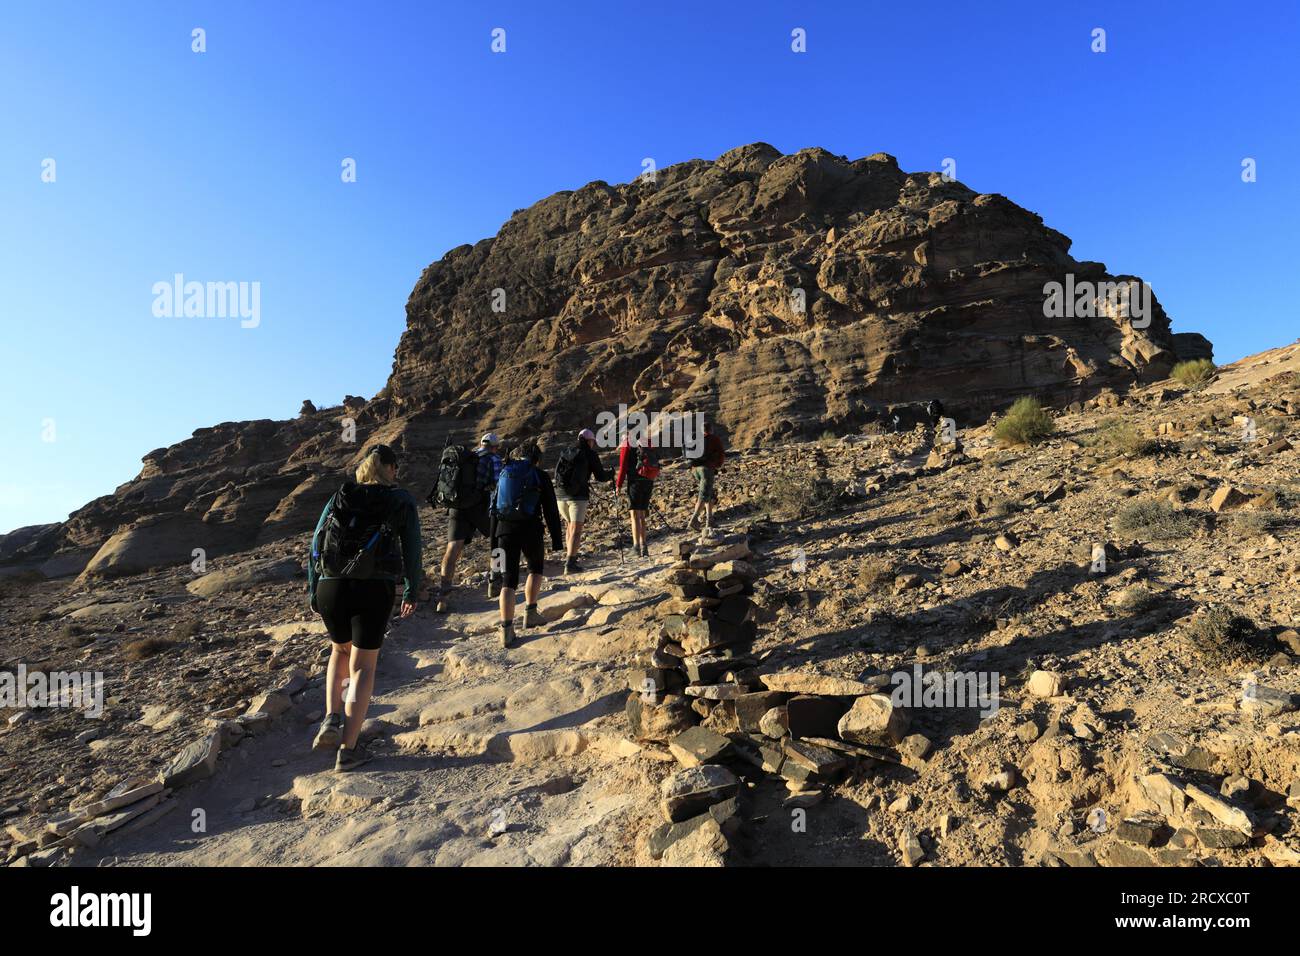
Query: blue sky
point(225, 166)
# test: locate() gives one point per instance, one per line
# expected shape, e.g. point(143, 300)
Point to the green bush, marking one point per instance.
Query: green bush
point(1026, 423)
point(1193, 372)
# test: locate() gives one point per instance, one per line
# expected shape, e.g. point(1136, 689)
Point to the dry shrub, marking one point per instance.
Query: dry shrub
point(1154, 520)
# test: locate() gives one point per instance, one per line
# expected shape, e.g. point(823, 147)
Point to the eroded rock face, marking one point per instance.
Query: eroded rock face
point(681, 294)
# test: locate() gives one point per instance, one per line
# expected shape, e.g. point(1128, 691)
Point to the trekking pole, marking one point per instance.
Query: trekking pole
point(618, 528)
point(663, 521)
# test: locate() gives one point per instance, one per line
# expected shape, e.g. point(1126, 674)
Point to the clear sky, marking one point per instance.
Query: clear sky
point(226, 165)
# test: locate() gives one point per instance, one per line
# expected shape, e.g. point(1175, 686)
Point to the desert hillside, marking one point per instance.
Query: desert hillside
point(1123, 584)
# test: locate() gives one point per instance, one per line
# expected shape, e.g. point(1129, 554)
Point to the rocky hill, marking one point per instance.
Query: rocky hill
point(781, 296)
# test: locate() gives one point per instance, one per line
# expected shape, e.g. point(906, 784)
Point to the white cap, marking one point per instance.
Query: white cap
point(490, 439)
point(586, 434)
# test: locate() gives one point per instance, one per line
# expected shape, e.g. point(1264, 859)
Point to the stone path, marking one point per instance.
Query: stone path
point(485, 756)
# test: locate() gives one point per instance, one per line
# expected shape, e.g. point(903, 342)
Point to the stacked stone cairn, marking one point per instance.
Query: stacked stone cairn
point(700, 693)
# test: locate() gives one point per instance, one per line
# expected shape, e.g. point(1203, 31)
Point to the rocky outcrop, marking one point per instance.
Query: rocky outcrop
point(777, 294)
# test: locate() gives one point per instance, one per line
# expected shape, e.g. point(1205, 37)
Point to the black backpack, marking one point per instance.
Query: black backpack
point(571, 469)
point(457, 485)
point(357, 540)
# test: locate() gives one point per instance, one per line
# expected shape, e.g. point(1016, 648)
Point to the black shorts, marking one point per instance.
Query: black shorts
point(356, 612)
point(529, 544)
point(638, 493)
point(461, 524)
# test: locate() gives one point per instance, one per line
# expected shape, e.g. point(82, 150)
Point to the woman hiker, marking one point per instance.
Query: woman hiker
point(352, 582)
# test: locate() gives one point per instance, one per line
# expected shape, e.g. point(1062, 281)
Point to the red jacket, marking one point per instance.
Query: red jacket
point(627, 463)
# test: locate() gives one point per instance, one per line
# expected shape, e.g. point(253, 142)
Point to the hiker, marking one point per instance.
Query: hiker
point(577, 466)
point(524, 499)
point(638, 468)
point(465, 482)
point(705, 475)
point(351, 581)
point(934, 409)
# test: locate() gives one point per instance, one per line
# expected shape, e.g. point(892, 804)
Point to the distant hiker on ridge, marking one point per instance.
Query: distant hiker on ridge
point(577, 466)
point(524, 499)
point(465, 482)
point(705, 476)
point(352, 583)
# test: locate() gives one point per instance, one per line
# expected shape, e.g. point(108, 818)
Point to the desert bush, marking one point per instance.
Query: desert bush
point(186, 630)
point(1252, 524)
point(1136, 599)
point(1117, 437)
point(1221, 636)
point(874, 573)
point(148, 647)
point(1154, 520)
point(800, 499)
point(1193, 372)
point(1026, 423)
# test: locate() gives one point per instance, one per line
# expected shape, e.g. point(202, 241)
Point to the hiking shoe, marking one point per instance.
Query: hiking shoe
point(507, 633)
point(494, 588)
point(330, 734)
point(350, 758)
point(645, 550)
point(573, 567)
point(533, 617)
point(441, 606)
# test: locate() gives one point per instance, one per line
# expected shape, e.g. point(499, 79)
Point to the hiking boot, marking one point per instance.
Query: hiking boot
point(571, 566)
point(494, 588)
point(507, 633)
point(645, 551)
point(440, 606)
point(694, 522)
point(533, 617)
point(330, 734)
point(350, 758)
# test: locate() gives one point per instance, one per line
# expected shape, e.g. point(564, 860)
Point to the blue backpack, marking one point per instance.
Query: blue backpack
point(519, 490)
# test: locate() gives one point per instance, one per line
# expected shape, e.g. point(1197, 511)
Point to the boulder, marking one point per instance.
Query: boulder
point(874, 720)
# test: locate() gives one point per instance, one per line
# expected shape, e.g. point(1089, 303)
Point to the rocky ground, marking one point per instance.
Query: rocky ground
point(1146, 709)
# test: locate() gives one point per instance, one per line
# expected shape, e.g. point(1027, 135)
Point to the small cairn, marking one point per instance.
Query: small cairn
point(700, 694)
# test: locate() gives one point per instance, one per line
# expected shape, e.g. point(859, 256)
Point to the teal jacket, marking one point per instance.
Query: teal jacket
point(406, 522)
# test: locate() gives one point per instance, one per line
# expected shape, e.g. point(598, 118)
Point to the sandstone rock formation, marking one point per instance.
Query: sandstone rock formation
point(682, 293)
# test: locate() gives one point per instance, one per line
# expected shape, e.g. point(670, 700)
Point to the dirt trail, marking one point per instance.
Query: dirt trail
point(484, 755)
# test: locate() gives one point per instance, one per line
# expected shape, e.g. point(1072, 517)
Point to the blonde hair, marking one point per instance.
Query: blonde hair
point(370, 470)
